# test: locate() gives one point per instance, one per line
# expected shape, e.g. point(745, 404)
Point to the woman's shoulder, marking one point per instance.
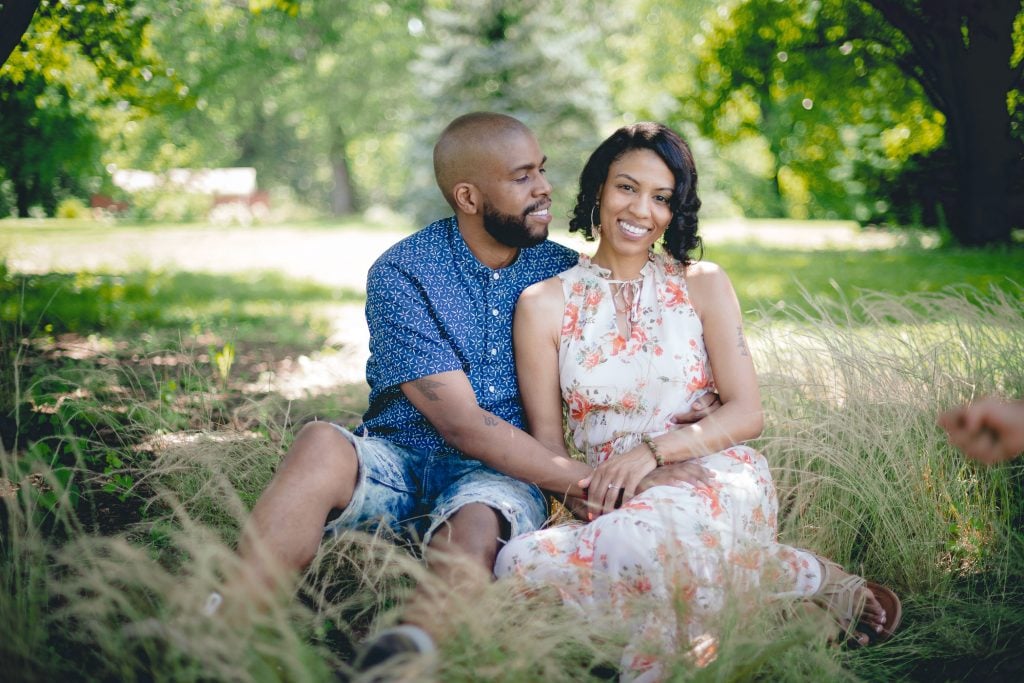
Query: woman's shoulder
point(707, 283)
point(540, 307)
point(542, 296)
point(698, 270)
point(704, 270)
point(542, 289)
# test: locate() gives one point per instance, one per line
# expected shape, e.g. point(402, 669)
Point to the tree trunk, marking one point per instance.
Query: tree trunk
point(14, 20)
point(769, 123)
point(978, 126)
point(342, 195)
point(959, 51)
point(21, 198)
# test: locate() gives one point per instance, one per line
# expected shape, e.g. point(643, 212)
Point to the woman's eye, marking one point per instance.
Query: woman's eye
point(662, 198)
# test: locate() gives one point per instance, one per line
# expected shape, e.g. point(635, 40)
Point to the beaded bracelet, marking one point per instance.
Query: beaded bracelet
point(649, 442)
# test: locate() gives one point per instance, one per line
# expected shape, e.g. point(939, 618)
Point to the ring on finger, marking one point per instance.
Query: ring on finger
point(613, 486)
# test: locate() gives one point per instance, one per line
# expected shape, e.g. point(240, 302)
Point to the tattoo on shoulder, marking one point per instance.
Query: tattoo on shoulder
point(428, 387)
point(741, 342)
point(491, 420)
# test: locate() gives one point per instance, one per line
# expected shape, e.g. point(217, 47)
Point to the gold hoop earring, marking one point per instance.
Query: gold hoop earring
point(595, 225)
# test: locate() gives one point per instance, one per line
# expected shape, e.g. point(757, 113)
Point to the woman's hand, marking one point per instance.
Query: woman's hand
point(615, 478)
point(677, 474)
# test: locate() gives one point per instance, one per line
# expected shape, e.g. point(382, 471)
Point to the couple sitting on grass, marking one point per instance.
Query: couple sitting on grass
point(642, 349)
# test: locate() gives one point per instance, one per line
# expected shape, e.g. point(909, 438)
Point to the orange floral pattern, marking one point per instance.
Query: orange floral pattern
point(669, 545)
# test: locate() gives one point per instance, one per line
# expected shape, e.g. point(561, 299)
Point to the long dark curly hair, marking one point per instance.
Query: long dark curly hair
point(681, 236)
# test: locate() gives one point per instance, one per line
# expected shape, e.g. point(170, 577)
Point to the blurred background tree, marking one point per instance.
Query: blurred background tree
point(517, 58)
point(906, 113)
point(76, 63)
point(890, 111)
point(300, 92)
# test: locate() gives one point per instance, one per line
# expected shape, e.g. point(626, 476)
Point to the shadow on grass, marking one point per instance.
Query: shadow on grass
point(265, 305)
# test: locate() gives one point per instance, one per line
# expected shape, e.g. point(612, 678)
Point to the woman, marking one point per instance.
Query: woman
point(624, 340)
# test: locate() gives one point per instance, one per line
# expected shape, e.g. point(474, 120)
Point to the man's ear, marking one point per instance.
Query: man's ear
point(468, 198)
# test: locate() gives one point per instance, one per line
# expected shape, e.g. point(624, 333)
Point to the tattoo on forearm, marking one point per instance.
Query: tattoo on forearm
point(491, 420)
point(741, 342)
point(428, 387)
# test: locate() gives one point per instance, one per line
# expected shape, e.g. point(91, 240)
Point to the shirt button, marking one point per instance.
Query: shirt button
point(494, 352)
point(496, 276)
point(491, 388)
point(494, 312)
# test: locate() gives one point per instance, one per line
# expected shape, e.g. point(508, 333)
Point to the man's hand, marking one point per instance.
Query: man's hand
point(989, 430)
point(701, 408)
point(677, 474)
point(616, 479)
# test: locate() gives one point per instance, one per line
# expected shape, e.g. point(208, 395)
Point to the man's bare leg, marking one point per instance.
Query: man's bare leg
point(460, 553)
point(285, 528)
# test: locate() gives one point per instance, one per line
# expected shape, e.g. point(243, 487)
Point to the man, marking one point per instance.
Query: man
point(441, 454)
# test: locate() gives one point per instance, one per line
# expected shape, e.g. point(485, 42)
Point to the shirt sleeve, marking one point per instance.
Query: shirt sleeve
point(407, 340)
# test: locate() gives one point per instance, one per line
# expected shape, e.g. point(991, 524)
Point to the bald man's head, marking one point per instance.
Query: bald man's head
point(466, 143)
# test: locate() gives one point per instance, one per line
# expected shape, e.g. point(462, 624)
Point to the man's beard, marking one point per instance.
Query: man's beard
point(510, 230)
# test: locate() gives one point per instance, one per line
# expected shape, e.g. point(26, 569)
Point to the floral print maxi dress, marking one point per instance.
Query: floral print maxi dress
point(662, 564)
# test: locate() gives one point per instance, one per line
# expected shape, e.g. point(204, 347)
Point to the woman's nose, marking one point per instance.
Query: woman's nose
point(641, 206)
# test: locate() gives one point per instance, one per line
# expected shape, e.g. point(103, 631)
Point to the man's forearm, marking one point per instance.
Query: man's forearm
point(512, 451)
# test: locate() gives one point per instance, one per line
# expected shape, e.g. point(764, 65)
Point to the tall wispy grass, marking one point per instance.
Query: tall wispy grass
point(864, 476)
point(852, 391)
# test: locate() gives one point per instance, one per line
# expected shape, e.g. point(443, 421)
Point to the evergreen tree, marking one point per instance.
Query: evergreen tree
point(535, 60)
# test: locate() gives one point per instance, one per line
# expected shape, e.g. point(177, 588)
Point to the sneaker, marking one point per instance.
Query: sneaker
point(403, 642)
point(212, 605)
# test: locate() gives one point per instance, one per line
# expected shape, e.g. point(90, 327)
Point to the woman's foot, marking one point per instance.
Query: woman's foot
point(865, 612)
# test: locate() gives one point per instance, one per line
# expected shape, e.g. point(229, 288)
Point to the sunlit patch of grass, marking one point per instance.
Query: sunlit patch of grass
point(765, 276)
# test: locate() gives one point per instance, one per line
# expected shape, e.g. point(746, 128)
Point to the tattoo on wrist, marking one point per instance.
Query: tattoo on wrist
point(491, 420)
point(428, 387)
point(741, 342)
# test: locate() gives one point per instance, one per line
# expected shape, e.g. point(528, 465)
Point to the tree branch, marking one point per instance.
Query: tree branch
point(917, 32)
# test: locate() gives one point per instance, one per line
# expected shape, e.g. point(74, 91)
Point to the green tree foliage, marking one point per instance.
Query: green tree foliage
point(75, 61)
point(536, 60)
point(846, 95)
point(962, 54)
point(301, 94)
point(653, 69)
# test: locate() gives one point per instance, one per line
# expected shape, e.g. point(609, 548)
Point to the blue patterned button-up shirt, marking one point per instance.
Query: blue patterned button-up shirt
point(432, 307)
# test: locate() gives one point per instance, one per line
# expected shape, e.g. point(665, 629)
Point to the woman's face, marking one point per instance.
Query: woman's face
point(635, 202)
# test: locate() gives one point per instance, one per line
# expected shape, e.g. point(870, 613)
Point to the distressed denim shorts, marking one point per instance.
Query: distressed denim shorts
point(413, 493)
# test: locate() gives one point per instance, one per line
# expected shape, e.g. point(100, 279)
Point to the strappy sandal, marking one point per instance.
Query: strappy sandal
point(841, 595)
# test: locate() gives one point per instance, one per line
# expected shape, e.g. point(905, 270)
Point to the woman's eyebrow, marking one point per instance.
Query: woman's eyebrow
point(637, 182)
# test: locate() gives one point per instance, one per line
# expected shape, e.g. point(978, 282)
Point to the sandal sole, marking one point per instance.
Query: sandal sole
point(893, 611)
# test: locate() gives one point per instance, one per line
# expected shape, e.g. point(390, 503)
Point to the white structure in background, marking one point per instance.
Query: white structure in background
point(234, 193)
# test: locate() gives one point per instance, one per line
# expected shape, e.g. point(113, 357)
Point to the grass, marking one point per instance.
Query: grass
point(766, 276)
point(134, 443)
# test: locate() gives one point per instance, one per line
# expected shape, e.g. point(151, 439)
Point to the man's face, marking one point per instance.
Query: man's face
point(517, 195)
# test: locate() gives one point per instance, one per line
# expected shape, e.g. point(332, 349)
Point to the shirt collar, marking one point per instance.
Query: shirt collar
point(468, 261)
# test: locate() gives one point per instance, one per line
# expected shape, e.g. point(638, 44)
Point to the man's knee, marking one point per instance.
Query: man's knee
point(323, 455)
point(474, 530)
